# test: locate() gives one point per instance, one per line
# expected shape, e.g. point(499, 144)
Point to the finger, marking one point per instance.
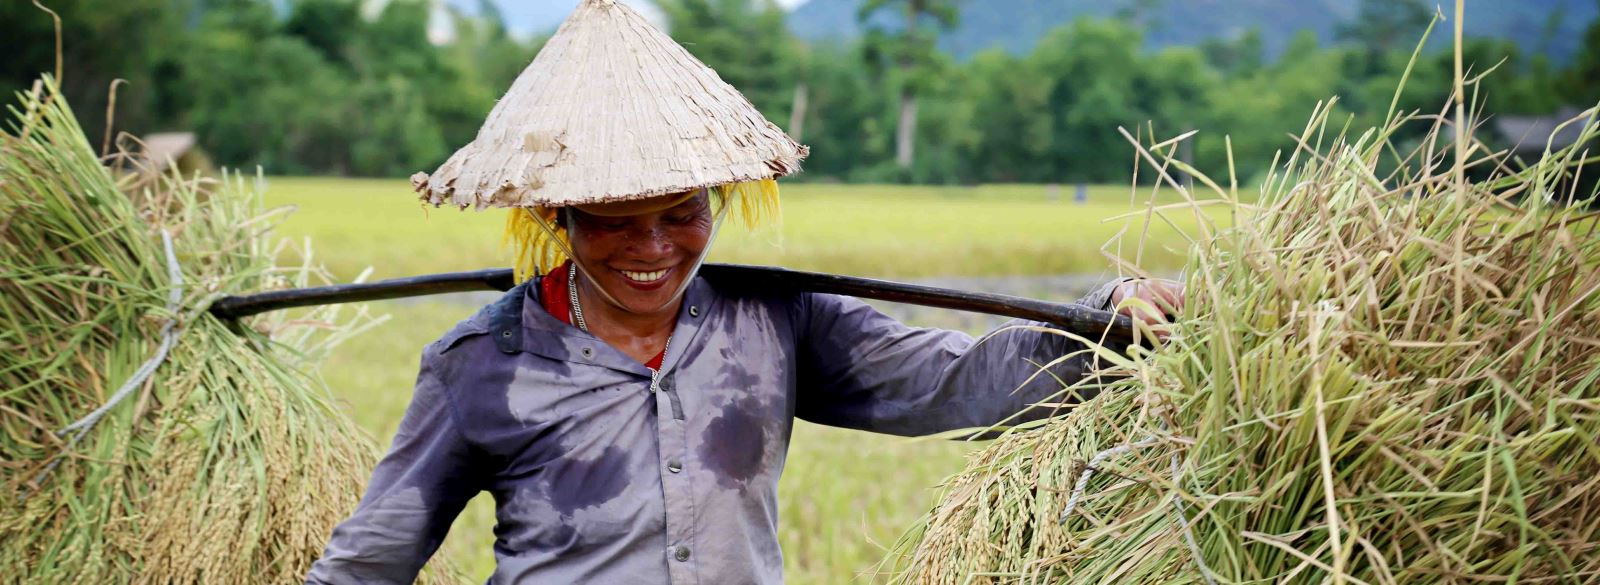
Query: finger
point(1142, 310)
point(1168, 295)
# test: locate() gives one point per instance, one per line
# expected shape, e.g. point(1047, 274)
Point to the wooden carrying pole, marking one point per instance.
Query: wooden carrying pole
point(1085, 321)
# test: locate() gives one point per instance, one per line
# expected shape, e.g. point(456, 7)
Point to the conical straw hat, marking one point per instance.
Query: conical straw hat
point(611, 109)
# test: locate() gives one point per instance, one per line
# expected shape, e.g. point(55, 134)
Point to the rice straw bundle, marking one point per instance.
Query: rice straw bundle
point(1380, 376)
point(222, 461)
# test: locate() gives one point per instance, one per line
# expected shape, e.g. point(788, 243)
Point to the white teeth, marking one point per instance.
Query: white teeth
point(644, 276)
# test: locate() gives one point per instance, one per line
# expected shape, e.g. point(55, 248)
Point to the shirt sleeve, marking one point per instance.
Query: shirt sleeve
point(862, 369)
point(416, 491)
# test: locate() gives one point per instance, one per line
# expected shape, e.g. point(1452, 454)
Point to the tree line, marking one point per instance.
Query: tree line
point(339, 87)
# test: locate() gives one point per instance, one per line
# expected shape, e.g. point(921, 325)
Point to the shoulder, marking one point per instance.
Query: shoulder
point(731, 291)
point(476, 334)
point(826, 307)
point(800, 306)
point(746, 298)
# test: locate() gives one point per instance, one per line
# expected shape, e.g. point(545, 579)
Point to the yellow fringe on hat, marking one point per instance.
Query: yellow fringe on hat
point(752, 203)
point(538, 248)
point(534, 246)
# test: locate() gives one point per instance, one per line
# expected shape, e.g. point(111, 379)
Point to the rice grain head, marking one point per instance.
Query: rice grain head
point(1383, 374)
point(230, 464)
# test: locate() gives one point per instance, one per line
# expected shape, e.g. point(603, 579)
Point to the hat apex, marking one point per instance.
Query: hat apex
point(611, 109)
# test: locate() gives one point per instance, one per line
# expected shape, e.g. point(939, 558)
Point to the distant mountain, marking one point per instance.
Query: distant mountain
point(1553, 27)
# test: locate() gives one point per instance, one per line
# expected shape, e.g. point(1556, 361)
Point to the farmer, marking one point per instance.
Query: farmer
point(629, 418)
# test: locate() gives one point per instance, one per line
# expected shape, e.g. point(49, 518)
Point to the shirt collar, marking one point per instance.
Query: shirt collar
point(519, 322)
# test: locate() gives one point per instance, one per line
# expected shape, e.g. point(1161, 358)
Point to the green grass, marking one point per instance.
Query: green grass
point(845, 494)
point(886, 231)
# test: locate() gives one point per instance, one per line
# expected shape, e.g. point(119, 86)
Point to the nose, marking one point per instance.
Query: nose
point(649, 241)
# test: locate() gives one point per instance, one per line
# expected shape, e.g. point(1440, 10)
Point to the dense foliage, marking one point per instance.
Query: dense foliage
point(342, 87)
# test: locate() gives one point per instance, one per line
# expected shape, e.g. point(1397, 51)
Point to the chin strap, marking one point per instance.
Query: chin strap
point(551, 231)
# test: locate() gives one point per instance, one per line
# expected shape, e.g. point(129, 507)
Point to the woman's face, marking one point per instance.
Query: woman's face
point(641, 260)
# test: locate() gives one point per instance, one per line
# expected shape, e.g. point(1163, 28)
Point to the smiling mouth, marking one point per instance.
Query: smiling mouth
point(644, 277)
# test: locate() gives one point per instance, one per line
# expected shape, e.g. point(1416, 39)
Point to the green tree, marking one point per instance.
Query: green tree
point(912, 52)
point(746, 42)
point(1383, 26)
point(486, 53)
point(1010, 96)
point(101, 42)
point(1093, 67)
point(271, 101)
point(320, 86)
point(1259, 110)
point(404, 140)
point(1581, 82)
point(1235, 57)
point(843, 120)
point(329, 26)
point(395, 49)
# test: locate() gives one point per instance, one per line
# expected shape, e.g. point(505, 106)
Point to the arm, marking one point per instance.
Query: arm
point(862, 369)
point(416, 491)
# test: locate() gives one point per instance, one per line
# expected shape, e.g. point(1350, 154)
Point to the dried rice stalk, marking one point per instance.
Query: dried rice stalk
point(1381, 376)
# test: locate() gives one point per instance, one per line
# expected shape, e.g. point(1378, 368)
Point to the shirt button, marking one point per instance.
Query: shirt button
point(694, 311)
point(674, 466)
point(588, 352)
point(681, 553)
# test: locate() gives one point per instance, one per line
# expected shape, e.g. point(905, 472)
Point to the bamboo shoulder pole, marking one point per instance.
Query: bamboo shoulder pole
point(1089, 322)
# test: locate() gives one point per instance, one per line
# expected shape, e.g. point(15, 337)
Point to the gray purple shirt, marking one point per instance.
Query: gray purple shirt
point(600, 475)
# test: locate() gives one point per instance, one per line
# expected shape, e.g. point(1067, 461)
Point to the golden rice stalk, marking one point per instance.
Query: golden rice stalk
point(228, 464)
point(1385, 372)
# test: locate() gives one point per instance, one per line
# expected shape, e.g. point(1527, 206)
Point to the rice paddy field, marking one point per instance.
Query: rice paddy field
point(846, 495)
point(868, 230)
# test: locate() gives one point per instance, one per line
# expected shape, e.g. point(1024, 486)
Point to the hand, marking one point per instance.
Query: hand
point(1160, 299)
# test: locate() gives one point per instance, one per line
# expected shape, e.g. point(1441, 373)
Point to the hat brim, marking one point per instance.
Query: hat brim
point(637, 206)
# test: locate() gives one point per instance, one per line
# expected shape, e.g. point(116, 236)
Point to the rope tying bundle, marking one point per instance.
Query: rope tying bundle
point(1177, 504)
point(169, 337)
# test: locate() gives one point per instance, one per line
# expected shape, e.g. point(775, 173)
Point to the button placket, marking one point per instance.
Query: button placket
point(678, 481)
point(676, 486)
